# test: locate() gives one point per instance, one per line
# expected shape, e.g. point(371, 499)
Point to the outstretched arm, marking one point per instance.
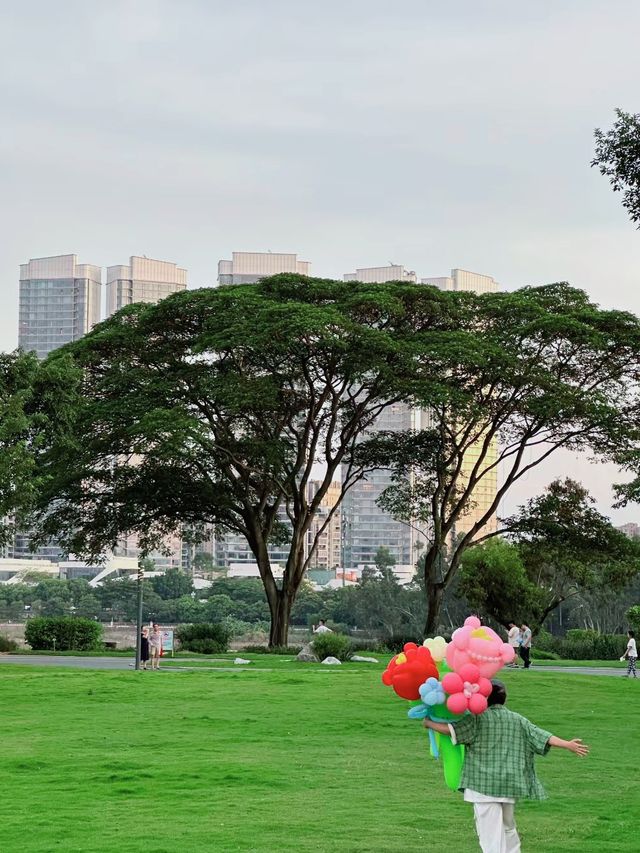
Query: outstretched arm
point(574, 745)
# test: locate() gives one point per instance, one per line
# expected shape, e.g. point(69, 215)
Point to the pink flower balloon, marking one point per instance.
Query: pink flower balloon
point(480, 646)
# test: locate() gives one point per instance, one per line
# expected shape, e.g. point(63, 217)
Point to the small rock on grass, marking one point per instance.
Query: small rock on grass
point(332, 661)
point(360, 659)
point(306, 655)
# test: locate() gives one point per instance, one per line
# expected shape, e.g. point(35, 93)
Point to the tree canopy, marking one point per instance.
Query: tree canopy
point(617, 156)
point(26, 391)
point(214, 406)
point(560, 547)
point(527, 373)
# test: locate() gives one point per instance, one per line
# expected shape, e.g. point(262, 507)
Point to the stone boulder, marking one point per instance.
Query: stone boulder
point(306, 655)
point(360, 659)
point(332, 661)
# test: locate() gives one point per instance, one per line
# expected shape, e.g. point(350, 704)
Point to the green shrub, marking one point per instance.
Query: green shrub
point(331, 645)
point(63, 633)
point(206, 638)
point(584, 644)
point(240, 628)
point(358, 646)
point(544, 640)
point(540, 654)
point(397, 642)
point(275, 650)
point(633, 615)
point(7, 645)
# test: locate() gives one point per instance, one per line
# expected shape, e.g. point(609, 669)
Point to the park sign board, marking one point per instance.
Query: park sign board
point(167, 641)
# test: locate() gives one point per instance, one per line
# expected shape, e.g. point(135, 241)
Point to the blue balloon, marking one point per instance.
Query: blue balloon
point(432, 693)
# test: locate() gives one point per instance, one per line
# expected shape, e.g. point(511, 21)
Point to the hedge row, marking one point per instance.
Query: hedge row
point(63, 633)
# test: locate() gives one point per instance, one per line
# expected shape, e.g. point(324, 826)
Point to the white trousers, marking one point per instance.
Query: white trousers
point(496, 827)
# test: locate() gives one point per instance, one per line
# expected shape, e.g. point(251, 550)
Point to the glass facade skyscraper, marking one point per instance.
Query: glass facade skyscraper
point(365, 526)
point(143, 280)
point(59, 302)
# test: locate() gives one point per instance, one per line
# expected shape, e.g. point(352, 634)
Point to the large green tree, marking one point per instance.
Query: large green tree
point(23, 381)
point(560, 547)
point(216, 406)
point(528, 373)
point(617, 156)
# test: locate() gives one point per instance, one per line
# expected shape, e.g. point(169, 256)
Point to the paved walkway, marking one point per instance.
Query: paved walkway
point(80, 662)
point(226, 665)
point(583, 670)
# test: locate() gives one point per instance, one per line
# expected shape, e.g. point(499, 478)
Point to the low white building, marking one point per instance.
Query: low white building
point(14, 570)
point(250, 570)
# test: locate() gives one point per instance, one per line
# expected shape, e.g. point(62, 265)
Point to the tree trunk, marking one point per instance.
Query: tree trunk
point(280, 608)
point(435, 594)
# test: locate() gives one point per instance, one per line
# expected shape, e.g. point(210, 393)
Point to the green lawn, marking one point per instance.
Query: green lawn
point(299, 758)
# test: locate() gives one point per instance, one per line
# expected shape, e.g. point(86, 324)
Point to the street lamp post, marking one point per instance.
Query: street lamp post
point(139, 615)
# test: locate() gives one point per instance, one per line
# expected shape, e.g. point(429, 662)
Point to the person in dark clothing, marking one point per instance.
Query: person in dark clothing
point(144, 647)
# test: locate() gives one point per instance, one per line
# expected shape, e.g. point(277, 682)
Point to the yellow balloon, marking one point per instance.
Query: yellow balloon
point(401, 658)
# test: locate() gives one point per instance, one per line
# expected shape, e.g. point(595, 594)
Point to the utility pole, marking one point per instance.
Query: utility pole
point(139, 612)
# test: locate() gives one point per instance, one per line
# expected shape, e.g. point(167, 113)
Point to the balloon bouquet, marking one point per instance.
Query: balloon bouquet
point(447, 680)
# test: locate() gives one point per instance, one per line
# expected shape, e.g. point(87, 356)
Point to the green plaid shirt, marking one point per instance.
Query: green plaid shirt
point(500, 749)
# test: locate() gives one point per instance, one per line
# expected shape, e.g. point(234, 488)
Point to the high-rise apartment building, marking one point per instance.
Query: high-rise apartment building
point(365, 526)
point(146, 280)
point(250, 267)
point(232, 548)
point(379, 275)
point(464, 280)
point(143, 280)
point(631, 529)
point(59, 302)
point(485, 492)
point(328, 553)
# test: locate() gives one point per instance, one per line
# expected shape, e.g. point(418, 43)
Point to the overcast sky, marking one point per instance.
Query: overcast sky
point(353, 132)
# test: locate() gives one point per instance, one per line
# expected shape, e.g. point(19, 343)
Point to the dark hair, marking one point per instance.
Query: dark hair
point(631, 633)
point(498, 695)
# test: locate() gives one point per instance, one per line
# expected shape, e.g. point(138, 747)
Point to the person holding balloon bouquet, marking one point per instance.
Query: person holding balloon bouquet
point(487, 751)
point(499, 768)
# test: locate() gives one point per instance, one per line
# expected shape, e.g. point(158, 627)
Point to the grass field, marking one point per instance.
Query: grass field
point(299, 758)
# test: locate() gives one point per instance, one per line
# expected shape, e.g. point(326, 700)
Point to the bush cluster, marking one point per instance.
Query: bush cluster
point(63, 633)
point(581, 644)
point(332, 645)
point(397, 642)
point(540, 654)
point(207, 638)
point(7, 645)
point(633, 615)
point(275, 650)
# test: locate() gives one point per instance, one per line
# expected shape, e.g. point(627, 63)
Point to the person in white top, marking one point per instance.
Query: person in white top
point(525, 645)
point(513, 638)
point(322, 628)
point(631, 655)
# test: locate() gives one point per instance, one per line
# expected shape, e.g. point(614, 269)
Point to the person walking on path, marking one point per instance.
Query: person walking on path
point(499, 766)
point(631, 655)
point(525, 645)
point(513, 638)
point(144, 647)
point(155, 644)
point(322, 628)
